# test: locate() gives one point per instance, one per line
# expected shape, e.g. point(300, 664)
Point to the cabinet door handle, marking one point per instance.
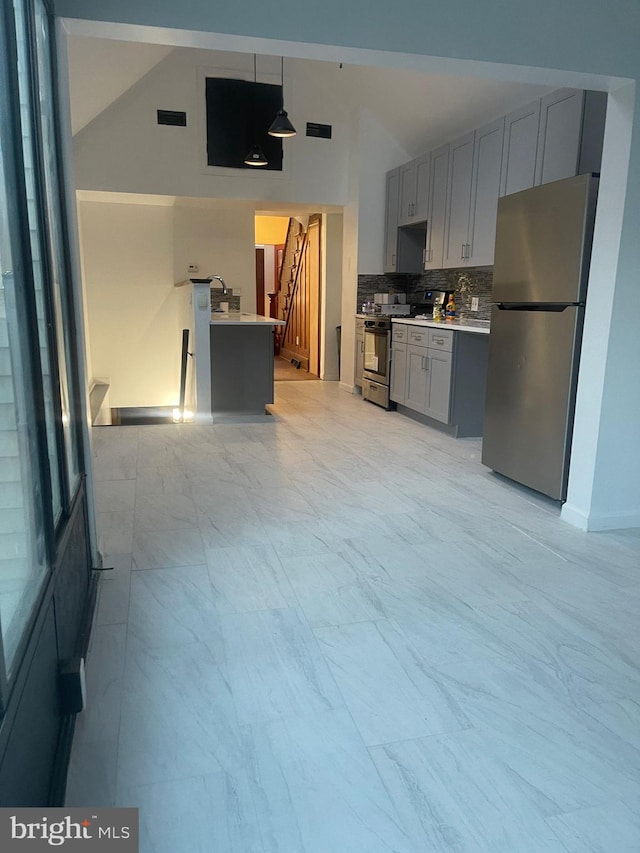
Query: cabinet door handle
point(462, 252)
point(417, 337)
point(438, 340)
point(424, 257)
point(424, 362)
point(393, 260)
point(361, 346)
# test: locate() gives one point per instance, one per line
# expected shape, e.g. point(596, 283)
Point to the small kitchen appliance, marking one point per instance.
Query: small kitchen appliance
point(390, 298)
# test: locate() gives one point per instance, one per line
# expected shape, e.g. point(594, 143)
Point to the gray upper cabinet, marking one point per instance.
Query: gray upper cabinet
point(422, 188)
point(439, 385)
point(520, 149)
point(449, 197)
point(487, 166)
point(438, 169)
point(417, 378)
point(571, 134)
point(391, 221)
point(559, 135)
point(414, 191)
point(408, 174)
point(456, 237)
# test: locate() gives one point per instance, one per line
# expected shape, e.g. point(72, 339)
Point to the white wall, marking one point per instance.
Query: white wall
point(125, 150)
point(221, 241)
point(131, 256)
point(331, 305)
point(378, 152)
point(127, 255)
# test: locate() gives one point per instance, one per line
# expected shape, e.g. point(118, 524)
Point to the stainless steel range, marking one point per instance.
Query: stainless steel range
point(377, 361)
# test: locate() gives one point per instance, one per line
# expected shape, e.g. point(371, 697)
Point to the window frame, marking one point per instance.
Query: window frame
point(18, 227)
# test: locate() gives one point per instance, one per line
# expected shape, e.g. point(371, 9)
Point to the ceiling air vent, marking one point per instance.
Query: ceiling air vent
point(172, 117)
point(322, 131)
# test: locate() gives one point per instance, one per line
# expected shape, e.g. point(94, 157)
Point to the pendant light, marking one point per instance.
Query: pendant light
point(255, 157)
point(281, 125)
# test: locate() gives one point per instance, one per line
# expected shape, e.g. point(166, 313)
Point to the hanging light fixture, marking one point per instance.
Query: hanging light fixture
point(281, 125)
point(255, 157)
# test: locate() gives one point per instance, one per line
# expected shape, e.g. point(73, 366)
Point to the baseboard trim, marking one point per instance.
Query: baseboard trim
point(350, 389)
point(600, 521)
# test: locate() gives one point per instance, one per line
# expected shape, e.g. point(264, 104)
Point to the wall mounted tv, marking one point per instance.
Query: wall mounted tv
point(239, 113)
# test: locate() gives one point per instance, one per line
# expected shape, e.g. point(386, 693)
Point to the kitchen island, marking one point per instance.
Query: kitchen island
point(241, 358)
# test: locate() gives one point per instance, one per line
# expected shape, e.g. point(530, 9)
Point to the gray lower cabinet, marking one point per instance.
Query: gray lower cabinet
point(241, 368)
point(357, 379)
point(398, 372)
point(440, 375)
point(416, 378)
point(439, 366)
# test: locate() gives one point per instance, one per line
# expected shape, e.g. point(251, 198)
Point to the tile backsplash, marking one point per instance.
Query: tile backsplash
point(217, 297)
point(467, 282)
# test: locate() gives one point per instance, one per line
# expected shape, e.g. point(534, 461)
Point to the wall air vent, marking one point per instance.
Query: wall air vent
point(172, 117)
point(321, 131)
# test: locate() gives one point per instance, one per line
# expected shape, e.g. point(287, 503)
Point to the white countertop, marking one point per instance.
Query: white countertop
point(239, 318)
point(457, 325)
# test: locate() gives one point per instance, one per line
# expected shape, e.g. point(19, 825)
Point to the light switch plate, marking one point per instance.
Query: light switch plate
point(204, 300)
point(475, 303)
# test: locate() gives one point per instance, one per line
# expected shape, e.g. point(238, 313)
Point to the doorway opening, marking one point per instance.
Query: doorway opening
point(289, 286)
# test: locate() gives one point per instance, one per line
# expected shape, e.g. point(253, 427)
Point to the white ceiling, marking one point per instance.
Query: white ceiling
point(420, 110)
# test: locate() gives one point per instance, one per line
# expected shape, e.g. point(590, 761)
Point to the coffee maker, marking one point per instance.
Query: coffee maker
point(440, 303)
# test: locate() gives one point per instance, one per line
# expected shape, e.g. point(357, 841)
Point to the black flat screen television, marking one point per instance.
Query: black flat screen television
point(239, 114)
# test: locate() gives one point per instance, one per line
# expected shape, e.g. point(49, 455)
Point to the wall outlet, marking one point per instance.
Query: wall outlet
point(237, 291)
point(475, 303)
point(297, 340)
point(193, 268)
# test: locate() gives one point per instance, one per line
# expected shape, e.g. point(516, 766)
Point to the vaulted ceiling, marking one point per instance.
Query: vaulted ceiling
point(419, 110)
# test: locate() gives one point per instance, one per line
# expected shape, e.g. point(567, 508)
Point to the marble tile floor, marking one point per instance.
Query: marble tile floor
point(336, 632)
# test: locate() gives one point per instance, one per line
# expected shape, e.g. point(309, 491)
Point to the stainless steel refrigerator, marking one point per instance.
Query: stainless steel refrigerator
point(543, 249)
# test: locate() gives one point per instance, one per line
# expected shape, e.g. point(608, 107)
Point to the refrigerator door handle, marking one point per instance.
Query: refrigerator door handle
point(555, 307)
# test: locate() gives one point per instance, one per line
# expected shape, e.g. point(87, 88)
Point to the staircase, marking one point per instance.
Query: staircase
point(292, 260)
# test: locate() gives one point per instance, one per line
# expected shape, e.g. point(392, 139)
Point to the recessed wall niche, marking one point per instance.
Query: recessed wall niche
point(239, 114)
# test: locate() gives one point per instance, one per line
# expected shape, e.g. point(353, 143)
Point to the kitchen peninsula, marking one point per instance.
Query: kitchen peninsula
point(241, 359)
point(232, 359)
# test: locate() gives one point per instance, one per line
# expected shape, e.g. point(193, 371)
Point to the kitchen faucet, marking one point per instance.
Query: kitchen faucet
point(221, 280)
